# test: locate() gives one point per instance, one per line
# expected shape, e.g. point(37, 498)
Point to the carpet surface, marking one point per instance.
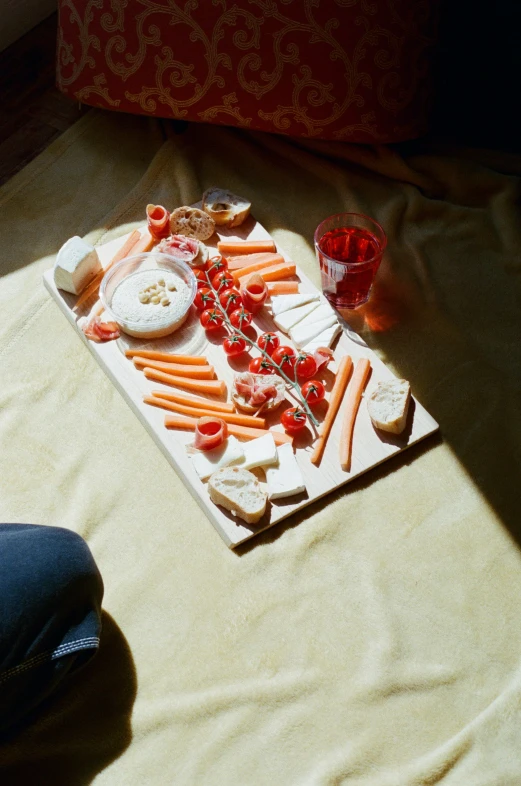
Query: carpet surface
point(374, 639)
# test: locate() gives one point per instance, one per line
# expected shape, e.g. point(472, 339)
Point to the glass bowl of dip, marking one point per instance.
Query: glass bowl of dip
point(149, 295)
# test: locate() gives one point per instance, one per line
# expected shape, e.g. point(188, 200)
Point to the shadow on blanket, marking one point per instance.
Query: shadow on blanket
point(83, 727)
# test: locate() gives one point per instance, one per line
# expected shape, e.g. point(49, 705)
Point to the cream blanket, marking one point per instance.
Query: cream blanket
point(374, 640)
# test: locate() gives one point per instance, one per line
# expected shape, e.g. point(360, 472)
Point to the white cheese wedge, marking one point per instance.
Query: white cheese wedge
point(281, 303)
point(323, 311)
point(289, 319)
point(206, 462)
point(324, 339)
point(285, 479)
point(76, 263)
point(303, 334)
point(259, 452)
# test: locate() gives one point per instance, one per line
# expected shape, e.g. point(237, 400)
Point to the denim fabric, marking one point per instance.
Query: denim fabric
point(50, 613)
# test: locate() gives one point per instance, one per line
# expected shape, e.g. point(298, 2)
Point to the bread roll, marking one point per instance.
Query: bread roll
point(239, 491)
point(192, 222)
point(226, 209)
point(388, 405)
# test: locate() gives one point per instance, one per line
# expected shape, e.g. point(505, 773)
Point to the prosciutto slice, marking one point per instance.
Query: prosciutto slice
point(210, 433)
point(158, 218)
point(98, 331)
point(184, 248)
point(254, 293)
point(322, 357)
point(257, 389)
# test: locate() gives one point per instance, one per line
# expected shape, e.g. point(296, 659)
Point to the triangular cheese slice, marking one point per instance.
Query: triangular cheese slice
point(289, 319)
point(323, 311)
point(324, 339)
point(281, 303)
point(303, 334)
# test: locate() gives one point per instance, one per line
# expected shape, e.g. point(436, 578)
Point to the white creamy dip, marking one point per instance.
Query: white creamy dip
point(151, 319)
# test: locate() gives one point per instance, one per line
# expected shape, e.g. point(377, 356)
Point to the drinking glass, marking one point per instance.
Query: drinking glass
point(349, 248)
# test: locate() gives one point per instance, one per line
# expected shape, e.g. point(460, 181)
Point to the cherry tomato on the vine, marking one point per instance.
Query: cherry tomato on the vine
point(211, 319)
point(268, 342)
point(313, 391)
point(285, 358)
point(240, 318)
point(234, 345)
point(200, 276)
point(261, 366)
point(222, 280)
point(215, 265)
point(230, 300)
point(204, 298)
point(306, 366)
point(294, 420)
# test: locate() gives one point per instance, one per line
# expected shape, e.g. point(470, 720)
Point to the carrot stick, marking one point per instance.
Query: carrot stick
point(189, 424)
point(123, 252)
point(143, 245)
point(283, 288)
point(274, 273)
point(259, 267)
point(353, 398)
point(195, 401)
point(215, 387)
point(235, 247)
point(245, 260)
point(195, 372)
point(343, 373)
point(152, 354)
point(239, 420)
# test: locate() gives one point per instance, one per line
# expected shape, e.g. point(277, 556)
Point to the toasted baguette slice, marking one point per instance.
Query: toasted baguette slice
point(239, 491)
point(226, 209)
point(388, 405)
point(192, 222)
point(261, 380)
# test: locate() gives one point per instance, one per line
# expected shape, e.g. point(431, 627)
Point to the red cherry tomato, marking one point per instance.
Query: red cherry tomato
point(215, 265)
point(200, 276)
point(204, 298)
point(313, 391)
point(285, 358)
point(293, 420)
point(306, 366)
point(211, 319)
point(234, 345)
point(240, 318)
point(261, 366)
point(268, 342)
point(222, 280)
point(230, 300)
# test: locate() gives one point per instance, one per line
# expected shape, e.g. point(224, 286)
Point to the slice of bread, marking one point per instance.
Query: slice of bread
point(388, 405)
point(202, 256)
point(264, 380)
point(239, 491)
point(226, 209)
point(192, 222)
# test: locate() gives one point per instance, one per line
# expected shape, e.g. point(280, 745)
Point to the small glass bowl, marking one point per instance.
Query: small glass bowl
point(153, 260)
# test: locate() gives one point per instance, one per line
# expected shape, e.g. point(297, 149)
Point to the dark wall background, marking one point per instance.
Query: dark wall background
point(478, 73)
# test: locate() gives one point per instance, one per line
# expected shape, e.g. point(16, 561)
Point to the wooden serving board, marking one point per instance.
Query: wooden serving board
point(370, 447)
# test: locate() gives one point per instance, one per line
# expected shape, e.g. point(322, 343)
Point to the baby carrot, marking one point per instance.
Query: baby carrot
point(340, 384)
point(195, 372)
point(167, 357)
point(239, 420)
point(195, 401)
point(283, 288)
point(245, 260)
point(235, 247)
point(353, 398)
point(215, 387)
point(273, 273)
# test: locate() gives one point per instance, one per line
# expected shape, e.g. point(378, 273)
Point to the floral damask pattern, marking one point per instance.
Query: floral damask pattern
point(356, 70)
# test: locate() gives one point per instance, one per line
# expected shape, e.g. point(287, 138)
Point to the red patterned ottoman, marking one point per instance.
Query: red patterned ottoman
point(354, 70)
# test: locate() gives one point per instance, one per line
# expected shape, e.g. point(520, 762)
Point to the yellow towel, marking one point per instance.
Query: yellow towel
point(372, 640)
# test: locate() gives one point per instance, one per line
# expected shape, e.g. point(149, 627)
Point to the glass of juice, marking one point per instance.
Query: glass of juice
point(349, 249)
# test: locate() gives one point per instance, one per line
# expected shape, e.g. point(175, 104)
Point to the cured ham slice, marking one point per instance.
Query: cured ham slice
point(255, 392)
point(98, 331)
point(254, 293)
point(210, 433)
point(158, 218)
point(184, 248)
point(322, 357)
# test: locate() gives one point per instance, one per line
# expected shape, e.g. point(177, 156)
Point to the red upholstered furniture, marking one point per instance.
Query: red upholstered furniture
point(354, 70)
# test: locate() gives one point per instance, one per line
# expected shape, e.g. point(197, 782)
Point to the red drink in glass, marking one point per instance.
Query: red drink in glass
point(349, 249)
